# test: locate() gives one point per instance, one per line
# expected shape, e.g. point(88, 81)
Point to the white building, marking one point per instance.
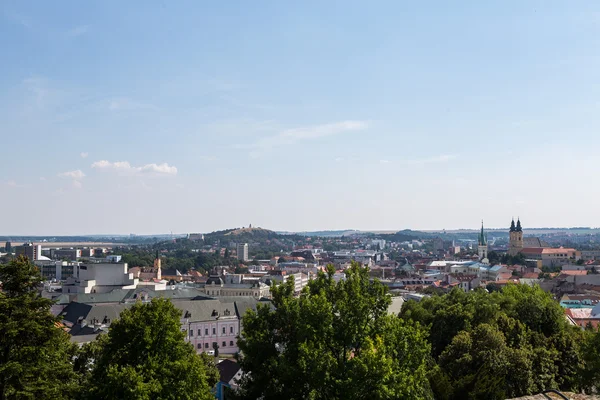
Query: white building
point(242, 251)
point(100, 278)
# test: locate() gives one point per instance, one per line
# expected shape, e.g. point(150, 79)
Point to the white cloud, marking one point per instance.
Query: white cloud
point(83, 154)
point(78, 31)
point(339, 159)
point(384, 161)
point(77, 174)
point(77, 184)
point(431, 160)
point(124, 167)
point(12, 183)
point(292, 136)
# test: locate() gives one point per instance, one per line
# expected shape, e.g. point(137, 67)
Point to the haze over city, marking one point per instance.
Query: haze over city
point(135, 117)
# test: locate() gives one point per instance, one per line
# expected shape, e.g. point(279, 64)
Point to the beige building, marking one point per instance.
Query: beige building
point(551, 257)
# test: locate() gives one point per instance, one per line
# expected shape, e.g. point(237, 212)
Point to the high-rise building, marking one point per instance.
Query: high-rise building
point(242, 251)
point(29, 250)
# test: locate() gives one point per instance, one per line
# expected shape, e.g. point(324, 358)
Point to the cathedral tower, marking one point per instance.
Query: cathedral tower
point(482, 247)
point(516, 238)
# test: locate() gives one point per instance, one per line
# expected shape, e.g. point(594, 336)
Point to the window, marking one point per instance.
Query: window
point(231, 343)
point(231, 329)
point(214, 331)
point(206, 332)
point(206, 345)
point(224, 344)
point(191, 333)
point(223, 330)
point(199, 332)
point(199, 345)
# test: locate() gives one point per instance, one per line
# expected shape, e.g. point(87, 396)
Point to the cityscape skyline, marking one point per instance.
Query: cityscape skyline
point(142, 118)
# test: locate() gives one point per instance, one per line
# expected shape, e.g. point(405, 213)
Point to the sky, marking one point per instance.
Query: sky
point(145, 117)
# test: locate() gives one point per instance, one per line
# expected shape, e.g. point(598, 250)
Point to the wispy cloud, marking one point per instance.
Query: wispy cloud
point(77, 174)
point(292, 136)
point(83, 154)
point(78, 31)
point(339, 159)
point(384, 161)
point(430, 160)
point(12, 183)
point(125, 168)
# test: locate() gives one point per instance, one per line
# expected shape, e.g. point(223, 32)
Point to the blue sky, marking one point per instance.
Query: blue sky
point(189, 116)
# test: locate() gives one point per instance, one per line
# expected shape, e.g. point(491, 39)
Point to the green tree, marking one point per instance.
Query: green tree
point(335, 341)
point(35, 354)
point(590, 372)
point(144, 356)
point(226, 255)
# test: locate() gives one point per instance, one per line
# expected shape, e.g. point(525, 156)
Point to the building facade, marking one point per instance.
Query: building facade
point(29, 250)
point(242, 252)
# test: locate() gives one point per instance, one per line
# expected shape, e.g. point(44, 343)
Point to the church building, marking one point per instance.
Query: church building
point(482, 247)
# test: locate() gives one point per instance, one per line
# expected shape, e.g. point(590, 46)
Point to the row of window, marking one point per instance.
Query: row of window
point(214, 331)
point(224, 344)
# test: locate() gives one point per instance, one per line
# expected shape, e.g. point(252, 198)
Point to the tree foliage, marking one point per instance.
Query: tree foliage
point(503, 344)
point(35, 354)
point(335, 341)
point(144, 356)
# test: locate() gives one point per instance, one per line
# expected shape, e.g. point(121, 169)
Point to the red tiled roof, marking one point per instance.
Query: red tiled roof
point(573, 272)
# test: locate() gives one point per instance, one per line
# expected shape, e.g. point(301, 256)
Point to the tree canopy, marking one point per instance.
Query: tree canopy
point(144, 356)
point(335, 341)
point(35, 354)
point(508, 343)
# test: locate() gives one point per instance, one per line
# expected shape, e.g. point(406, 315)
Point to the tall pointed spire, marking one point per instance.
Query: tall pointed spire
point(482, 239)
point(519, 229)
point(512, 225)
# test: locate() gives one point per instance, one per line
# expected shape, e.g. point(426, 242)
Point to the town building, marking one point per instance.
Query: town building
point(65, 254)
point(99, 278)
point(551, 257)
point(215, 287)
point(32, 251)
point(242, 252)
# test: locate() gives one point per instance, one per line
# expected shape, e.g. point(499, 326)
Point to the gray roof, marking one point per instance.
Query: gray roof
point(124, 295)
point(90, 312)
point(204, 310)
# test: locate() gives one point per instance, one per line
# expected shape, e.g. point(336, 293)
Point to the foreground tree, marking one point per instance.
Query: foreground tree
point(508, 343)
point(35, 354)
point(336, 341)
point(144, 356)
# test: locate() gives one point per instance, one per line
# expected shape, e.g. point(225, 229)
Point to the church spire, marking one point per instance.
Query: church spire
point(512, 226)
point(519, 229)
point(482, 239)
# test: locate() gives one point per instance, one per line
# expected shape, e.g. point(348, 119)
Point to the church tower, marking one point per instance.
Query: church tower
point(157, 269)
point(516, 238)
point(482, 247)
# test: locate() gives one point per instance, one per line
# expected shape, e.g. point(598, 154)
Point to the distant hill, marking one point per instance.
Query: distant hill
point(243, 235)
